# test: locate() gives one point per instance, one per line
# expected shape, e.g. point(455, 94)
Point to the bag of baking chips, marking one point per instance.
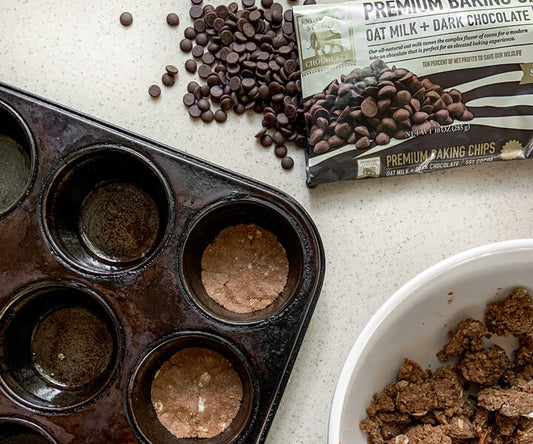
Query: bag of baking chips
point(396, 87)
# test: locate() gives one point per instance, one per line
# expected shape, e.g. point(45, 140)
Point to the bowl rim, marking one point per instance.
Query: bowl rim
point(335, 417)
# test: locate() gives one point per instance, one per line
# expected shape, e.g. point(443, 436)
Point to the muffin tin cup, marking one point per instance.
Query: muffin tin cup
point(141, 411)
point(61, 346)
point(14, 430)
point(106, 210)
point(120, 223)
point(230, 213)
point(17, 159)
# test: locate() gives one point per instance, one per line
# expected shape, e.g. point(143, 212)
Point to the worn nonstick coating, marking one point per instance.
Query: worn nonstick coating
point(154, 292)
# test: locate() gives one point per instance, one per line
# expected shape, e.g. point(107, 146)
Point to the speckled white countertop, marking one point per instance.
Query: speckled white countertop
point(377, 234)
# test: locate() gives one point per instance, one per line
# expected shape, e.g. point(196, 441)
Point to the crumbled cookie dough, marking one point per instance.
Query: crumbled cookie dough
point(483, 398)
point(513, 316)
point(196, 393)
point(512, 402)
point(468, 337)
point(245, 268)
point(484, 367)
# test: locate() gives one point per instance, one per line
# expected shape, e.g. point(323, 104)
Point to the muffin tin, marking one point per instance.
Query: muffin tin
point(100, 280)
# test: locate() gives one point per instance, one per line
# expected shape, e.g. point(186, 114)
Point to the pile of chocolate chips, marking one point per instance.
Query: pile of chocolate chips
point(248, 60)
point(377, 103)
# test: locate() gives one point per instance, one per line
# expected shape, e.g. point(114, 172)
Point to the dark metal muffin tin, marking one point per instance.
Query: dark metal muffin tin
point(77, 272)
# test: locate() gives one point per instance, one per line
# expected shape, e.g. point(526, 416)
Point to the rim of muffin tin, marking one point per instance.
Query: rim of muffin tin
point(70, 245)
point(203, 229)
point(140, 411)
point(21, 300)
point(29, 148)
point(24, 424)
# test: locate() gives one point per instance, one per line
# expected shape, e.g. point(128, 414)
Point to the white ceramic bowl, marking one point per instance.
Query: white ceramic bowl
point(414, 322)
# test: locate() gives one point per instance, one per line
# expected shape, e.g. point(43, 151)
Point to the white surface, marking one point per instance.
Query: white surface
point(377, 233)
point(414, 322)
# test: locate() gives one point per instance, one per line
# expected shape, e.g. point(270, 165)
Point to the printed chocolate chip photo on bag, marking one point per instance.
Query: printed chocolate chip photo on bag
point(402, 87)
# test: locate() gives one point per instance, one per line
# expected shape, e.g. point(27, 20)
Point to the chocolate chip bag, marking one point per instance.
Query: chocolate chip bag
point(396, 87)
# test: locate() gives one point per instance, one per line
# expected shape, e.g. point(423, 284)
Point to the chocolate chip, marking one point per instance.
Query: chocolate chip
point(266, 140)
point(197, 51)
point(189, 33)
point(204, 71)
point(207, 116)
point(248, 3)
point(203, 104)
point(208, 58)
point(266, 3)
point(171, 69)
point(194, 111)
point(173, 19)
point(190, 66)
point(196, 11)
point(126, 19)
point(220, 115)
point(221, 11)
point(191, 86)
point(287, 163)
point(202, 39)
point(232, 58)
point(168, 79)
point(154, 91)
point(199, 25)
point(189, 99)
point(280, 151)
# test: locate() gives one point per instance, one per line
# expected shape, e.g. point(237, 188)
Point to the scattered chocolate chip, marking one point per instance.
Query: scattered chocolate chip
point(173, 19)
point(171, 69)
point(154, 91)
point(287, 163)
point(168, 79)
point(280, 151)
point(126, 19)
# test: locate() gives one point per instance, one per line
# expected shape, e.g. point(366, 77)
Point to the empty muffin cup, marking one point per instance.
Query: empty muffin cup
point(17, 159)
point(107, 210)
point(14, 430)
point(271, 244)
point(61, 345)
point(187, 364)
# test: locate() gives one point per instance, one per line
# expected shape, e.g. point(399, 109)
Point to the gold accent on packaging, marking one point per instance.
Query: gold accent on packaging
point(527, 68)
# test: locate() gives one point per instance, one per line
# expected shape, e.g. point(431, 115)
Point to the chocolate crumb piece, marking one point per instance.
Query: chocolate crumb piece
point(245, 268)
point(484, 398)
point(423, 434)
point(468, 337)
point(513, 316)
point(412, 372)
point(523, 358)
point(196, 393)
point(484, 367)
point(513, 402)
